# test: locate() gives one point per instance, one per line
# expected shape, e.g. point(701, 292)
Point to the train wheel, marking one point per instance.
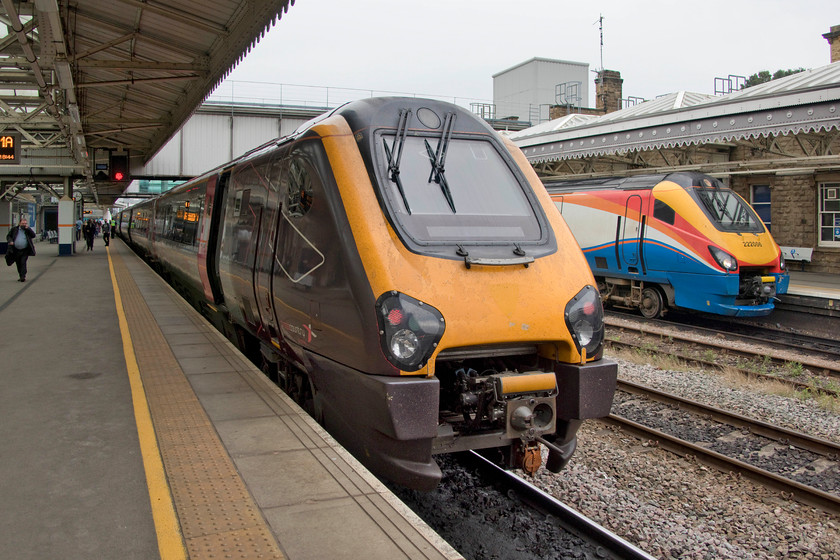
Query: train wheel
point(300, 389)
point(270, 369)
point(651, 306)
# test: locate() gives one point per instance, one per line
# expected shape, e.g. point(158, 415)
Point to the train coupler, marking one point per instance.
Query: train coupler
point(527, 456)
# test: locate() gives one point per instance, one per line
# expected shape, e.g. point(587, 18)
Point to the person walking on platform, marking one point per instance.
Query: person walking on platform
point(89, 231)
point(21, 246)
point(106, 233)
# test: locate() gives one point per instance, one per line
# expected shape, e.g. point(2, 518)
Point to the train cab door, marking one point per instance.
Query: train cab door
point(302, 241)
point(631, 233)
point(266, 240)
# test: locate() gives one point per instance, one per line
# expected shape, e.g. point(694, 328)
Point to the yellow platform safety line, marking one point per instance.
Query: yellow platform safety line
point(170, 541)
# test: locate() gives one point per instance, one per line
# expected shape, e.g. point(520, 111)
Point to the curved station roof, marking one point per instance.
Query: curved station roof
point(121, 75)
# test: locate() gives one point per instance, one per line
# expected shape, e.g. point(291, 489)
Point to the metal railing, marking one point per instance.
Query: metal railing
point(327, 97)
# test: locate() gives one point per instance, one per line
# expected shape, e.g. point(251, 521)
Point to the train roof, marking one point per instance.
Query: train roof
point(427, 114)
point(375, 112)
point(636, 182)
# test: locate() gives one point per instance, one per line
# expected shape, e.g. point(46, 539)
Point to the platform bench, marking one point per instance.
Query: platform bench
point(797, 254)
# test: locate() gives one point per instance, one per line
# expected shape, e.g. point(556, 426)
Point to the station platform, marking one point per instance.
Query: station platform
point(130, 428)
point(814, 284)
point(812, 301)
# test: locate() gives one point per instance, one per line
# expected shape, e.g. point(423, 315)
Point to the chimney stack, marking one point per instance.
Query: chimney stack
point(608, 91)
point(833, 38)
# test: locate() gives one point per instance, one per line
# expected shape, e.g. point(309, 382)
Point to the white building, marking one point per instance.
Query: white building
point(526, 91)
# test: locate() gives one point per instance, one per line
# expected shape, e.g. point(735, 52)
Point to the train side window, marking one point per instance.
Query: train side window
point(301, 239)
point(663, 212)
point(299, 192)
point(167, 221)
point(237, 203)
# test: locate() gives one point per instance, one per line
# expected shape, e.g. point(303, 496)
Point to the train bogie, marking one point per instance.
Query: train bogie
point(683, 240)
point(393, 266)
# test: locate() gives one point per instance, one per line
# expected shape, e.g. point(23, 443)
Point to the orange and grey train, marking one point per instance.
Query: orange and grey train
point(400, 270)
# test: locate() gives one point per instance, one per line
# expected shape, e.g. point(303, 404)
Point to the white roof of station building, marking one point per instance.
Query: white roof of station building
point(802, 102)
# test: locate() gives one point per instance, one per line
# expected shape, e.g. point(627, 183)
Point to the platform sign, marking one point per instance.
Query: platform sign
point(9, 147)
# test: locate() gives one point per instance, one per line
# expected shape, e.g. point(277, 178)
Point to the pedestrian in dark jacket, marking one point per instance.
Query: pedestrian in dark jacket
point(89, 231)
point(20, 246)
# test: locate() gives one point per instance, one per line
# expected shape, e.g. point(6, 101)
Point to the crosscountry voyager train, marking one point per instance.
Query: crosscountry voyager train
point(398, 268)
point(681, 240)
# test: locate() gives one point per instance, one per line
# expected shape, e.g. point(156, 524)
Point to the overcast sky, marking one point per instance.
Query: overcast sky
point(452, 48)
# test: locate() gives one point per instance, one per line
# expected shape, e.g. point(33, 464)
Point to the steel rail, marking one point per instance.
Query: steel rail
point(790, 488)
point(747, 373)
point(658, 327)
point(817, 445)
point(573, 521)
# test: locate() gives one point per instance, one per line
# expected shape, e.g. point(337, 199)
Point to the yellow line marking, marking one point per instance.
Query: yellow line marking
point(170, 542)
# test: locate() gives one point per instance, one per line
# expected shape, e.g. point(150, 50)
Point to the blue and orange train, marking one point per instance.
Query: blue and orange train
point(679, 240)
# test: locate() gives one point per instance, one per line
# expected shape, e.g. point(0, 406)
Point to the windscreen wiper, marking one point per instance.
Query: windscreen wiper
point(722, 201)
point(395, 153)
point(439, 158)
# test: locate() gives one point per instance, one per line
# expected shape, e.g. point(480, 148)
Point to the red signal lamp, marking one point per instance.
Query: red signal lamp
point(118, 166)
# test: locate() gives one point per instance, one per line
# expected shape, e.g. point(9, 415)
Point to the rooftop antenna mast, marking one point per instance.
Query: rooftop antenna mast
point(600, 23)
point(601, 26)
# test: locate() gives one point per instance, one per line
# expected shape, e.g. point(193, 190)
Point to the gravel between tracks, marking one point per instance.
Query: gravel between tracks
point(673, 507)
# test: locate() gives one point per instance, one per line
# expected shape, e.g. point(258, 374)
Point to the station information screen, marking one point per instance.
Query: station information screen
point(9, 147)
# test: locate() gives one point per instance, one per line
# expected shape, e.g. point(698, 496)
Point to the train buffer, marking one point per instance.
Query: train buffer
point(798, 254)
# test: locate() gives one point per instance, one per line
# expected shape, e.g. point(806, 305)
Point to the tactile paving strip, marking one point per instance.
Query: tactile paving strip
point(217, 514)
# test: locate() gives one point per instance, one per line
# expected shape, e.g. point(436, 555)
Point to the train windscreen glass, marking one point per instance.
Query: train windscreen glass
point(470, 195)
point(727, 210)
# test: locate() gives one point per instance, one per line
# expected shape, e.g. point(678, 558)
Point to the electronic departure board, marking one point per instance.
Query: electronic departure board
point(9, 147)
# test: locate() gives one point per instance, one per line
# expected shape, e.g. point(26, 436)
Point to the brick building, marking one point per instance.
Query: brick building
point(776, 144)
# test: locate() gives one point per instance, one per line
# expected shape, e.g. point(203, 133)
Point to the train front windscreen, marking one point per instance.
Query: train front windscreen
point(726, 210)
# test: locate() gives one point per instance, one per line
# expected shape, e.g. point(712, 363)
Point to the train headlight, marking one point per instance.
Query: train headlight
point(782, 263)
point(409, 330)
point(404, 344)
point(724, 259)
point(585, 320)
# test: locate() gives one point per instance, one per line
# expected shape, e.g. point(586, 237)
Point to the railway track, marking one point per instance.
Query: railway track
point(714, 349)
point(791, 462)
point(821, 355)
point(484, 511)
point(758, 332)
point(751, 372)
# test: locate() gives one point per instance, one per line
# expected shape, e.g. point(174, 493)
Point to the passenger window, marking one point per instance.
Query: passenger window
point(663, 212)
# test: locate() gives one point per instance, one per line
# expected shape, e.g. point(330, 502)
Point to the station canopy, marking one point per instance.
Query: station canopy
point(84, 80)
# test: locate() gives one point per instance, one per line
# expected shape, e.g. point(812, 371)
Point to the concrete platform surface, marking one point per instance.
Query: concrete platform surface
point(105, 372)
